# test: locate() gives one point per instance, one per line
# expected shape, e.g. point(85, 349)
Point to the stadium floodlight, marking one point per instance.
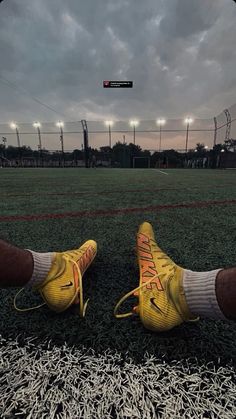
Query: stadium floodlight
point(14, 126)
point(187, 121)
point(134, 123)
point(160, 122)
point(36, 125)
point(60, 124)
point(109, 124)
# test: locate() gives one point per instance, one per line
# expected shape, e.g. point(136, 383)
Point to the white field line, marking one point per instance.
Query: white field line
point(164, 173)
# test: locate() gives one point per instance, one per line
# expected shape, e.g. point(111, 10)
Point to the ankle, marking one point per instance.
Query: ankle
point(226, 292)
point(200, 292)
point(41, 267)
point(177, 289)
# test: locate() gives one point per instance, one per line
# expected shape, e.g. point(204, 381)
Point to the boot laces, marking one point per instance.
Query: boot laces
point(172, 270)
point(78, 291)
point(140, 287)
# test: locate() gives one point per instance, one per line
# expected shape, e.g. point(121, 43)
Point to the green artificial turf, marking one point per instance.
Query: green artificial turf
point(116, 368)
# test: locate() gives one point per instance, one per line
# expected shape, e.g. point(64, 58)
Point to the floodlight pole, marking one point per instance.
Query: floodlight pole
point(15, 127)
point(228, 126)
point(62, 145)
point(40, 140)
point(40, 144)
point(18, 143)
point(160, 122)
point(109, 130)
point(86, 150)
point(186, 147)
point(133, 124)
point(124, 151)
point(160, 140)
point(18, 137)
point(215, 132)
point(4, 140)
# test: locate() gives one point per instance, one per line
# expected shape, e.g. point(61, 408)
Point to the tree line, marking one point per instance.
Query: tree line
point(120, 155)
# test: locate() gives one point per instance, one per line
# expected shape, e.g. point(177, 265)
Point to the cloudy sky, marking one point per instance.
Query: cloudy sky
point(180, 55)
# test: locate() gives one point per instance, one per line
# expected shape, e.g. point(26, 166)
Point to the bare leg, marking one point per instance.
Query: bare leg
point(16, 266)
point(226, 292)
point(16, 269)
point(56, 275)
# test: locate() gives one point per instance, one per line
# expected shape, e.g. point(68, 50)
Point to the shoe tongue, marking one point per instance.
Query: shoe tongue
point(81, 264)
point(84, 261)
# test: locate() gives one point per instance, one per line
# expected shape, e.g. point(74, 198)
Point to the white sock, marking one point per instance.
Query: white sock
point(42, 265)
point(200, 293)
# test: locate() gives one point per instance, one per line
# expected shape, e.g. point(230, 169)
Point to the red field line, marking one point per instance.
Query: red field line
point(124, 191)
point(118, 211)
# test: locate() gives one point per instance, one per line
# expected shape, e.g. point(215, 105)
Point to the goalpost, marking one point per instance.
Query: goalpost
point(141, 162)
point(4, 160)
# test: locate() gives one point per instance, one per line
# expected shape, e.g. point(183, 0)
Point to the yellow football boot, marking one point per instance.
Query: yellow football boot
point(162, 304)
point(63, 285)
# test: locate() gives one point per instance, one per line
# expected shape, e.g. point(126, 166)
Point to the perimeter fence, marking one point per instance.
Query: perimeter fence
point(72, 143)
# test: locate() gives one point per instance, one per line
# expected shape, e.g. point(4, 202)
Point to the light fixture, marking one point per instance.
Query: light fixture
point(109, 123)
point(36, 125)
point(134, 123)
point(161, 121)
point(189, 120)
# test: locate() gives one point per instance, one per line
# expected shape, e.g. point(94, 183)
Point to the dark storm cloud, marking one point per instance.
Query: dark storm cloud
point(179, 53)
point(187, 18)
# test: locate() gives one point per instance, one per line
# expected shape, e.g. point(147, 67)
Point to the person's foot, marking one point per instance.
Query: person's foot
point(63, 285)
point(162, 304)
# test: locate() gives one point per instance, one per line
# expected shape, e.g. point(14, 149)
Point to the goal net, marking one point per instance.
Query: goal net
point(141, 162)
